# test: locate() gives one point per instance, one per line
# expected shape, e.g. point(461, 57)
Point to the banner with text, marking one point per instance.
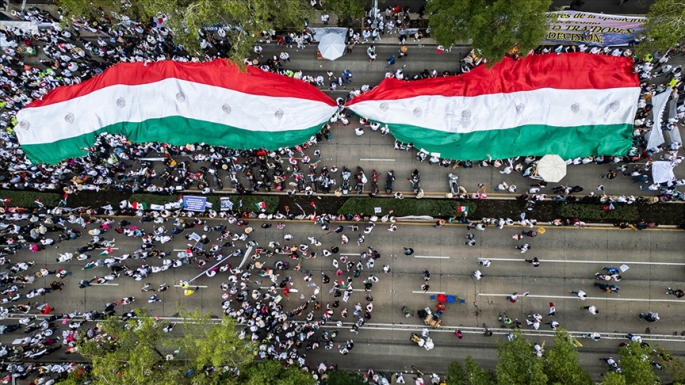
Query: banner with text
point(595, 29)
point(192, 203)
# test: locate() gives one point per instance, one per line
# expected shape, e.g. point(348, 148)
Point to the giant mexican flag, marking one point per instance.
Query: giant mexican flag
point(177, 103)
point(570, 104)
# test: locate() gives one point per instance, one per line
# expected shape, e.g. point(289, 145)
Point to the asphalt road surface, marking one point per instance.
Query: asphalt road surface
point(569, 260)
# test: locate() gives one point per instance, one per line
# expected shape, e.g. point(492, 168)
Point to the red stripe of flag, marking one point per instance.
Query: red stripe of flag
point(572, 71)
point(218, 73)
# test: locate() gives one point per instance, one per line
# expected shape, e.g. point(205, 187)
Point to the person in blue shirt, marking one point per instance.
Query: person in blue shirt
point(391, 61)
point(347, 74)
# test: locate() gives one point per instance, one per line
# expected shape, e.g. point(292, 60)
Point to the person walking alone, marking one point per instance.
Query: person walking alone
point(592, 309)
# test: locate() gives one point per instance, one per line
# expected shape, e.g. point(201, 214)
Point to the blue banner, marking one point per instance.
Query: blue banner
point(191, 203)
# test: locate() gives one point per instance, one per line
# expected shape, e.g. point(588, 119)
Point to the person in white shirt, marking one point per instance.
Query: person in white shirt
point(478, 275)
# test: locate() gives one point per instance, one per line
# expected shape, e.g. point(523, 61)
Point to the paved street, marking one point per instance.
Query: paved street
point(569, 259)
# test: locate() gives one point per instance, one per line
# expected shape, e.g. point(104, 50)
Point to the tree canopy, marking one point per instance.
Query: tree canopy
point(636, 364)
point(561, 362)
point(346, 10)
point(517, 362)
point(494, 27)
point(338, 377)
point(185, 19)
point(138, 351)
point(665, 26)
point(273, 373)
point(477, 375)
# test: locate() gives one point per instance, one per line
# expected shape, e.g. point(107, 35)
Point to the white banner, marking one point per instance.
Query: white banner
point(656, 136)
point(662, 172)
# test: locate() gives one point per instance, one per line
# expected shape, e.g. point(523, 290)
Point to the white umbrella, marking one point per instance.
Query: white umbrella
point(551, 168)
point(332, 46)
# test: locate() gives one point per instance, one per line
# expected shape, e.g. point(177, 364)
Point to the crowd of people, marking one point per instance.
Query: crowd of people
point(262, 295)
point(114, 163)
point(67, 57)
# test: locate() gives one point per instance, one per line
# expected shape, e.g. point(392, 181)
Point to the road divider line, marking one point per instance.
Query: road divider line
point(105, 284)
point(505, 331)
point(607, 263)
point(427, 292)
point(377, 160)
point(588, 298)
point(200, 286)
point(431, 257)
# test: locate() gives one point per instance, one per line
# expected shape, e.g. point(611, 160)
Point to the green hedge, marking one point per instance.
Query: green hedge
point(27, 198)
point(622, 212)
point(249, 201)
point(407, 206)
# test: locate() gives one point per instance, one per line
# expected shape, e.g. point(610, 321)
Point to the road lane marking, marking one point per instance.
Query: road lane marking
point(500, 331)
point(377, 160)
point(104, 284)
point(588, 298)
point(200, 286)
point(447, 329)
point(607, 263)
point(431, 256)
point(427, 292)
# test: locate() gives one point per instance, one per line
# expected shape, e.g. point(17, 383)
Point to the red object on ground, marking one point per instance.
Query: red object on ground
point(46, 310)
point(442, 298)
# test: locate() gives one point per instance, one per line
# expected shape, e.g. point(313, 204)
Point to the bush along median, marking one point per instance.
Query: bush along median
point(29, 199)
point(665, 214)
point(406, 207)
point(603, 213)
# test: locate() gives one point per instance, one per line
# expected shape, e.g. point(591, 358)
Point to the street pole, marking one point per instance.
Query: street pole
point(375, 12)
point(23, 5)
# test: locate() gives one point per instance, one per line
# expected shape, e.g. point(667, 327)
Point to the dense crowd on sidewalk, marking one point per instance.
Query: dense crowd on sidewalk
point(114, 163)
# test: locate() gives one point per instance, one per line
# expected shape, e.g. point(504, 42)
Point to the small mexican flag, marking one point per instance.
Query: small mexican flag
point(463, 209)
point(39, 203)
point(139, 206)
point(107, 251)
point(180, 201)
point(261, 206)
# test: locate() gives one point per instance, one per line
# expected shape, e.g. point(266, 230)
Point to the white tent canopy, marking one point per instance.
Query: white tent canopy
point(332, 46)
point(551, 168)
